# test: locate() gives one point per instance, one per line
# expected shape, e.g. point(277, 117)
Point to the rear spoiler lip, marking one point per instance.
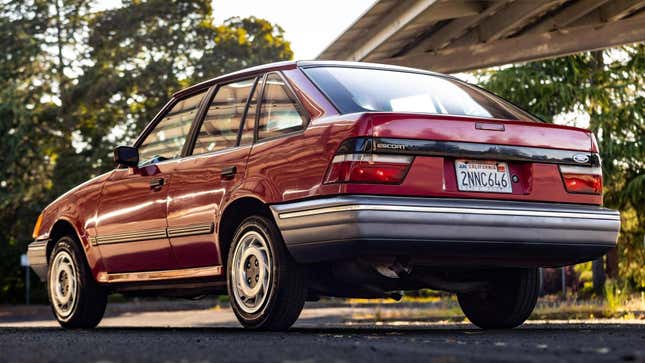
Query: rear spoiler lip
point(469, 150)
point(432, 116)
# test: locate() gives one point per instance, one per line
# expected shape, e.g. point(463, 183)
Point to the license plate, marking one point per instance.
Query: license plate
point(483, 176)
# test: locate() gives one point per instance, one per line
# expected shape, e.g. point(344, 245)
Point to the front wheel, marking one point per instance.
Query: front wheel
point(76, 299)
point(265, 285)
point(506, 303)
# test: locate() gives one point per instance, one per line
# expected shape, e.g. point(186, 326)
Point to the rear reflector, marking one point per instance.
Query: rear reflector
point(581, 179)
point(368, 168)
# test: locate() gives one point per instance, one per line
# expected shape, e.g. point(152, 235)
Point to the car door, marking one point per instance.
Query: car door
point(203, 182)
point(131, 215)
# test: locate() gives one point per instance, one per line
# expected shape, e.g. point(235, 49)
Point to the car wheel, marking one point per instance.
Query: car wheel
point(506, 303)
point(265, 285)
point(76, 299)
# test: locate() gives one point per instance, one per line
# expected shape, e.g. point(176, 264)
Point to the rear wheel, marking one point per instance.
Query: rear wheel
point(266, 286)
point(506, 303)
point(76, 299)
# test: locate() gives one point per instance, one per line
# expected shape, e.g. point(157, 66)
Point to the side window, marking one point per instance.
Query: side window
point(167, 138)
point(221, 124)
point(249, 120)
point(279, 113)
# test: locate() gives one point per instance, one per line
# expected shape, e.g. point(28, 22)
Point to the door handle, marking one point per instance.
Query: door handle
point(228, 172)
point(157, 182)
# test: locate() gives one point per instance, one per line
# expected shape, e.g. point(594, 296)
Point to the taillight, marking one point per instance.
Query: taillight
point(582, 179)
point(368, 168)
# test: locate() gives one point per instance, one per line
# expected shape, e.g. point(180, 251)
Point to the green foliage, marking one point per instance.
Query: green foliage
point(615, 296)
point(25, 142)
point(609, 87)
point(74, 83)
point(241, 43)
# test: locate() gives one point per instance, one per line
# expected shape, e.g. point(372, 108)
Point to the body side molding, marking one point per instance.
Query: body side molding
point(190, 230)
point(160, 275)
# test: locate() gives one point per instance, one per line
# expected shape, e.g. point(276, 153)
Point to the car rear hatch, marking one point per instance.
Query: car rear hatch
point(465, 157)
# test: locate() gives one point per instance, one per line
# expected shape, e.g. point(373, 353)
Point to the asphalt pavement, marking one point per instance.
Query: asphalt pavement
point(323, 334)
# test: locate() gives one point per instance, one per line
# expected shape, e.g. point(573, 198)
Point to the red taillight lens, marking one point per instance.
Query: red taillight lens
point(368, 168)
point(579, 179)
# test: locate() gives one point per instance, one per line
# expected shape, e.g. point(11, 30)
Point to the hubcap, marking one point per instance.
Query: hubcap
point(251, 272)
point(62, 284)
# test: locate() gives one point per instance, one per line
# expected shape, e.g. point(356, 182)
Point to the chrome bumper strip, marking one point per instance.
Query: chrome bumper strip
point(404, 208)
point(327, 228)
point(37, 254)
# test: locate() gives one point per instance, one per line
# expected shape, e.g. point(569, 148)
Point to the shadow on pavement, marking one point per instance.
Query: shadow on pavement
point(441, 329)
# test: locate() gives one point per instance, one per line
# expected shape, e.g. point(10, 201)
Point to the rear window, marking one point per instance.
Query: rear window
point(365, 89)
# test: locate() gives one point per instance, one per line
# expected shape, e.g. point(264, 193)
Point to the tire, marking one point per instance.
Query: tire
point(78, 302)
point(506, 303)
point(265, 285)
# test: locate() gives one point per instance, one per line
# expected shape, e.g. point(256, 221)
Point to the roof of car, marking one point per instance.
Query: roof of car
point(293, 64)
point(366, 65)
point(246, 71)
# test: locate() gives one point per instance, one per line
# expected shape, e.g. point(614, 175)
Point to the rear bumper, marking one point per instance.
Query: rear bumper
point(446, 231)
point(37, 254)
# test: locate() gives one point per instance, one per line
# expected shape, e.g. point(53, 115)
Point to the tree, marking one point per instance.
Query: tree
point(241, 43)
point(25, 139)
point(74, 83)
point(608, 88)
point(144, 51)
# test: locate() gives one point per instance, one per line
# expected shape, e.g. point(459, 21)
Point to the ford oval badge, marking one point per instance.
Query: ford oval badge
point(581, 158)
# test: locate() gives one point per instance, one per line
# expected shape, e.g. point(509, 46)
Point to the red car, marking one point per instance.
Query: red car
point(290, 181)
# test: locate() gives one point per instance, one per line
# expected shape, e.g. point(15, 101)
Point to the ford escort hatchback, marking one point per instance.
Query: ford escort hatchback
point(286, 182)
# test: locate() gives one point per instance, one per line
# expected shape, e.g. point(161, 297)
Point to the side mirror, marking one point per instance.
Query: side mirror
point(126, 155)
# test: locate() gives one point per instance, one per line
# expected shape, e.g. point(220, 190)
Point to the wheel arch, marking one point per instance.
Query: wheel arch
point(65, 227)
point(231, 217)
point(62, 227)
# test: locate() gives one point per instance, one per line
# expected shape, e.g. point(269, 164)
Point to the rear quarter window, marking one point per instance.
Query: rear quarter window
point(279, 113)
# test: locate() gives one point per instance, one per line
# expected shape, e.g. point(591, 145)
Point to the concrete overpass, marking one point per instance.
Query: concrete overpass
point(459, 35)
